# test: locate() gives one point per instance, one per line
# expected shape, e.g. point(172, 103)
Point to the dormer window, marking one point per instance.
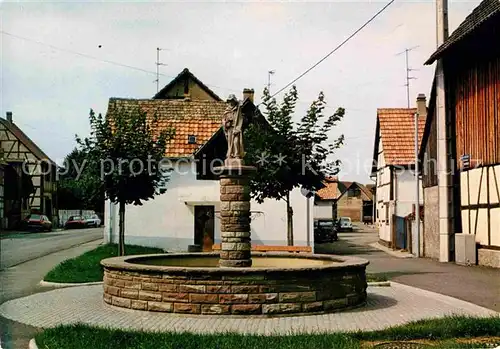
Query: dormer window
point(191, 139)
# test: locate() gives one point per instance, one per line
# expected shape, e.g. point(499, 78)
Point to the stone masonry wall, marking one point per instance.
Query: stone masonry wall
point(262, 293)
point(235, 221)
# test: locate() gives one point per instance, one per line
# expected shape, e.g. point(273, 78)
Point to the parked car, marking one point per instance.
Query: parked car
point(37, 222)
point(93, 221)
point(75, 222)
point(325, 231)
point(345, 224)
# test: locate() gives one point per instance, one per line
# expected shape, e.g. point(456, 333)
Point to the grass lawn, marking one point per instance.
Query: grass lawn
point(376, 277)
point(451, 332)
point(87, 268)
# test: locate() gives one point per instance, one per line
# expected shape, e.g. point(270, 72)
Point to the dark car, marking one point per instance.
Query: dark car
point(325, 231)
point(37, 222)
point(75, 222)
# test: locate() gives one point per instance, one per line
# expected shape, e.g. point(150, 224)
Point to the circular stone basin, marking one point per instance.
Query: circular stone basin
point(276, 284)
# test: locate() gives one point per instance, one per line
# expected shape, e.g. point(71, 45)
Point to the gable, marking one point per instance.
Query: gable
point(364, 193)
point(16, 145)
point(187, 85)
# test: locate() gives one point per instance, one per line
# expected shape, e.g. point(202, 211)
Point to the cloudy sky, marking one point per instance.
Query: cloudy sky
point(59, 59)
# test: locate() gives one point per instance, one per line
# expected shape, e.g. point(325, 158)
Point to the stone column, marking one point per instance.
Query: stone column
point(235, 217)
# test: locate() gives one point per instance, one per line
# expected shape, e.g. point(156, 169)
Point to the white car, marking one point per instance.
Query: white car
point(93, 221)
point(345, 223)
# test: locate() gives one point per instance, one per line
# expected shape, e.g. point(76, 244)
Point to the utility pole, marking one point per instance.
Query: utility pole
point(443, 140)
point(417, 184)
point(158, 63)
point(408, 69)
point(269, 73)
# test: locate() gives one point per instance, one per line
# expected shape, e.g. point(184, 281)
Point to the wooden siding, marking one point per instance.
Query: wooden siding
point(429, 162)
point(476, 93)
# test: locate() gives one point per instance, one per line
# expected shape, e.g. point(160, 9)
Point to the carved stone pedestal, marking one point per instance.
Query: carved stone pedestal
point(235, 214)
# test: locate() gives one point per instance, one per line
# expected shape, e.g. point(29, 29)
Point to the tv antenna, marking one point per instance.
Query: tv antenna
point(269, 73)
point(158, 63)
point(408, 70)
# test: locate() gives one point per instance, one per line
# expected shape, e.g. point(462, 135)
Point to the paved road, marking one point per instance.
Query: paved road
point(22, 280)
point(18, 248)
point(478, 285)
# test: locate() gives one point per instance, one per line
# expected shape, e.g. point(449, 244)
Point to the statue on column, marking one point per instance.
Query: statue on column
point(232, 124)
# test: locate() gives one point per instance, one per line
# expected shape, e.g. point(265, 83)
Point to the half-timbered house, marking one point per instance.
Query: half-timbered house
point(471, 63)
point(393, 170)
point(27, 177)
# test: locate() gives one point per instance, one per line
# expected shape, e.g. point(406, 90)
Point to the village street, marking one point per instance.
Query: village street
point(479, 285)
point(26, 258)
point(17, 248)
point(473, 284)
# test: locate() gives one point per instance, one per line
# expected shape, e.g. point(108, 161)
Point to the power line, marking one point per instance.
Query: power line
point(100, 59)
point(336, 48)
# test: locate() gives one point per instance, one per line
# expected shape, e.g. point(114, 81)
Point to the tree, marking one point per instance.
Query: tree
point(127, 148)
point(80, 186)
point(291, 154)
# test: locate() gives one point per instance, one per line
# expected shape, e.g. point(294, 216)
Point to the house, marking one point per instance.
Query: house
point(189, 209)
point(472, 96)
point(343, 199)
point(326, 198)
point(356, 202)
point(393, 164)
point(27, 177)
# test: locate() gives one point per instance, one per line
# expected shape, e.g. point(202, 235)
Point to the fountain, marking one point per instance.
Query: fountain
point(235, 281)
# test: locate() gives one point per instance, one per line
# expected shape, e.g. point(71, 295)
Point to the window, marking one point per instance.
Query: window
point(387, 213)
point(353, 192)
point(191, 139)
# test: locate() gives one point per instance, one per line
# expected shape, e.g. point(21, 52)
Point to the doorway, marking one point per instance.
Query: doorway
point(204, 227)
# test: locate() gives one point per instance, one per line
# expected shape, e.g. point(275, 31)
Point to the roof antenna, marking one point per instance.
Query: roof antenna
point(158, 63)
point(408, 77)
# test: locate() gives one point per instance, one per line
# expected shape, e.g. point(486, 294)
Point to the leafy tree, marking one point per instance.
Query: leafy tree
point(127, 149)
point(80, 186)
point(292, 154)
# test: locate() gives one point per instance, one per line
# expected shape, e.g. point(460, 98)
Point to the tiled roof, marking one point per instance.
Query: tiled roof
point(483, 12)
point(330, 191)
point(200, 118)
point(397, 130)
point(366, 190)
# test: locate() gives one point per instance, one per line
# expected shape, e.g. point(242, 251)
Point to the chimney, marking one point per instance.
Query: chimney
point(421, 105)
point(248, 93)
point(8, 116)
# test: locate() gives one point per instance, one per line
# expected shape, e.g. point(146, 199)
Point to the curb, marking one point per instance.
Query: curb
point(62, 285)
point(397, 254)
point(379, 284)
point(32, 344)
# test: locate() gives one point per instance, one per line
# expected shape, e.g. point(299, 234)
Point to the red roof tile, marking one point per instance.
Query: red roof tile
point(200, 118)
point(330, 191)
point(397, 130)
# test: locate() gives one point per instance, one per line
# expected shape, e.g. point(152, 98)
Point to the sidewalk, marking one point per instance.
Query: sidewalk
point(386, 307)
point(23, 280)
point(476, 284)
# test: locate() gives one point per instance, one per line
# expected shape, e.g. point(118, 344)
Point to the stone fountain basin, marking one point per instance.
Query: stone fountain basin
point(276, 284)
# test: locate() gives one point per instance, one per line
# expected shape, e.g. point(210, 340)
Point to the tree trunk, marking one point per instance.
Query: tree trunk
point(121, 234)
point(289, 219)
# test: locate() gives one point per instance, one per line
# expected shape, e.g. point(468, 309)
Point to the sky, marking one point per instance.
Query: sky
point(60, 59)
